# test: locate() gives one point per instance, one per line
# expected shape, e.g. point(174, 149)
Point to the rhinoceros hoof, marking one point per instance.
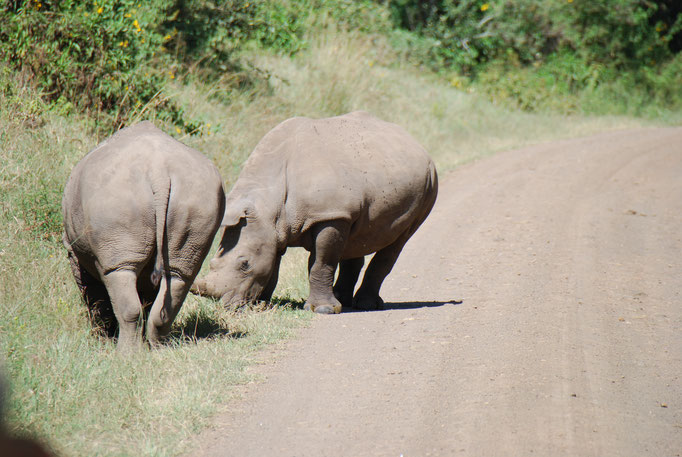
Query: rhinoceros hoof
point(368, 303)
point(346, 299)
point(322, 309)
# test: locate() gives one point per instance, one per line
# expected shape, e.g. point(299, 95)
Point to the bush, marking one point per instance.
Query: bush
point(114, 58)
point(459, 32)
point(472, 32)
point(101, 57)
point(550, 54)
point(212, 33)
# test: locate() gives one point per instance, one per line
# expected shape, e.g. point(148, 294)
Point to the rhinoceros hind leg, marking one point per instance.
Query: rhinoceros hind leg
point(95, 296)
point(329, 239)
point(367, 296)
point(349, 270)
point(100, 311)
point(166, 306)
point(121, 286)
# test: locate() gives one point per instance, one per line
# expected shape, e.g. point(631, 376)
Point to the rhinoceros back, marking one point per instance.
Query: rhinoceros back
point(353, 167)
point(120, 197)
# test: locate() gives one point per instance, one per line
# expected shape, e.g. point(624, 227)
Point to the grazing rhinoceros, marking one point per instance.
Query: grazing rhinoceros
point(342, 188)
point(140, 213)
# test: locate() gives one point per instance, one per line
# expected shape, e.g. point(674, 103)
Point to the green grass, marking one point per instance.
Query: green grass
point(72, 388)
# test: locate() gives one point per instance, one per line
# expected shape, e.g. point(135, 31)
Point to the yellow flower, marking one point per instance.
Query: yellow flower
point(127, 15)
point(123, 44)
point(99, 10)
point(167, 37)
point(172, 76)
point(484, 7)
point(177, 129)
point(569, 1)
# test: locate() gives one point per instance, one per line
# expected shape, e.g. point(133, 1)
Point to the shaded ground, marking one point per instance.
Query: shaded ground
point(568, 260)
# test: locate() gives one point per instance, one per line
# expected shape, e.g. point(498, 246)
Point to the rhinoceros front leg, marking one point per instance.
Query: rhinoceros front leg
point(329, 239)
point(349, 270)
point(266, 295)
point(367, 296)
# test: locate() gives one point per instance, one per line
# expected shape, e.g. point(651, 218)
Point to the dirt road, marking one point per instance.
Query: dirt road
point(567, 258)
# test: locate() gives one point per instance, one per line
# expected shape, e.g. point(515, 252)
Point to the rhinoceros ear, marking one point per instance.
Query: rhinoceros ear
point(234, 213)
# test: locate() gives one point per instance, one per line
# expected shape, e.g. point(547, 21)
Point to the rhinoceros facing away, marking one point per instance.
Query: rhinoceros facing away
point(342, 188)
point(140, 213)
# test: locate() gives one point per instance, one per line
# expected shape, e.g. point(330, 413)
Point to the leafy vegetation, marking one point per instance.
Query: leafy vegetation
point(562, 55)
point(116, 58)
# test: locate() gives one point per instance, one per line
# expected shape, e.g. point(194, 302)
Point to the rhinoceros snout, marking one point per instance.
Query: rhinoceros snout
point(201, 287)
point(197, 286)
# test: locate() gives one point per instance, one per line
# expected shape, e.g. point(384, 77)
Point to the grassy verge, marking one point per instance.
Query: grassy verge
point(73, 389)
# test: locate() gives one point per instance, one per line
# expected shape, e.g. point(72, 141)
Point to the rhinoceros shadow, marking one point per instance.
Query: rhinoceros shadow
point(403, 305)
point(199, 326)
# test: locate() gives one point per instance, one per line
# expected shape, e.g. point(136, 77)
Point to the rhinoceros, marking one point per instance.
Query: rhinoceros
point(342, 188)
point(140, 213)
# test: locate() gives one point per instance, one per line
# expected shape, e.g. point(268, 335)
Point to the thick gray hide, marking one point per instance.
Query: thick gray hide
point(342, 188)
point(140, 213)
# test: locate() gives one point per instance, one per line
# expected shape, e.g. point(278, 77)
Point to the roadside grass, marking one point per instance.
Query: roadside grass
point(72, 388)
point(68, 386)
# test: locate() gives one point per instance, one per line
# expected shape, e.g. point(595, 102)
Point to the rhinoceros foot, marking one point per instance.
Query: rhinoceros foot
point(323, 309)
point(368, 303)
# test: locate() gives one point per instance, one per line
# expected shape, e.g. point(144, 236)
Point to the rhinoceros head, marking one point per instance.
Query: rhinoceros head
point(245, 267)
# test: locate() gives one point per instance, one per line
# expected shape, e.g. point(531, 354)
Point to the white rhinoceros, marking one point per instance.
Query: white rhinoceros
point(342, 188)
point(140, 213)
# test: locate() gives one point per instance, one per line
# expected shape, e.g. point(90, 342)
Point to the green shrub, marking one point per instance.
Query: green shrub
point(105, 57)
point(620, 33)
point(565, 55)
point(459, 32)
point(114, 58)
point(212, 33)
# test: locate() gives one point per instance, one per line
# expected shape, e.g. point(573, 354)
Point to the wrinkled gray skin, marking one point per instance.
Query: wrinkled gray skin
point(342, 188)
point(140, 213)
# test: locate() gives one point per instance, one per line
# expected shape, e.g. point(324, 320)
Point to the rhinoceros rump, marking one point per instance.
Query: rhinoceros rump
point(342, 188)
point(140, 212)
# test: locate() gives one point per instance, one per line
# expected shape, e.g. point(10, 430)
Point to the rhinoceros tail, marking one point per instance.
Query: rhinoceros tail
point(161, 201)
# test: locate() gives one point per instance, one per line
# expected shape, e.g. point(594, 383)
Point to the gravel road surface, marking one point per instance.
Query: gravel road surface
point(537, 312)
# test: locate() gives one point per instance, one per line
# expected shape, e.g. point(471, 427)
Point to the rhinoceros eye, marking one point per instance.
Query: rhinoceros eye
point(244, 265)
